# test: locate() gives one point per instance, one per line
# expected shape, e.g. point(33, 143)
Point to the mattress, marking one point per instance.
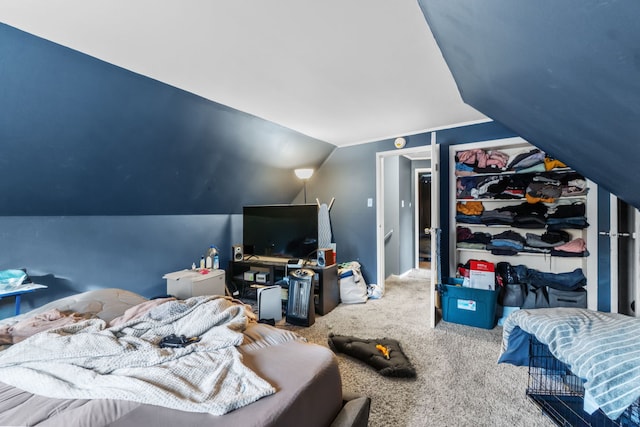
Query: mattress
point(305, 376)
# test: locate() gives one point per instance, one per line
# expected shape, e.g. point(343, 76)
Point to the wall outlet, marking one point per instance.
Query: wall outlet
point(369, 202)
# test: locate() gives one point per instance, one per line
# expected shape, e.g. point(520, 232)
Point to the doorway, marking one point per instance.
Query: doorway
point(392, 206)
point(432, 154)
point(423, 219)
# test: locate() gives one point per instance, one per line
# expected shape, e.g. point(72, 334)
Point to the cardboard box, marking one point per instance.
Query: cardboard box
point(191, 283)
point(262, 277)
point(482, 275)
point(469, 306)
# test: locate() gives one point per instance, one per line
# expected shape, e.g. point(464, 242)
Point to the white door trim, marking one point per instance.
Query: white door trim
point(380, 156)
point(435, 228)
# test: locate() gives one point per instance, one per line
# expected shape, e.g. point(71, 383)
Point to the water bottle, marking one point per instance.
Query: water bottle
point(212, 254)
point(209, 257)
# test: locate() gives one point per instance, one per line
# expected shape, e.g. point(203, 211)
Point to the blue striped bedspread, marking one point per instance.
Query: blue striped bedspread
point(603, 349)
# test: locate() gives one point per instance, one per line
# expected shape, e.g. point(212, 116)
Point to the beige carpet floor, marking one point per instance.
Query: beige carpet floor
point(459, 382)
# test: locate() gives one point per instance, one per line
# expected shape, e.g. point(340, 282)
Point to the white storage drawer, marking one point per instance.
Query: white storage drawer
point(191, 283)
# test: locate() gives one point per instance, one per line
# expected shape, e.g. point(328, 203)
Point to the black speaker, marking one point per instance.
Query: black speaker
point(237, 253)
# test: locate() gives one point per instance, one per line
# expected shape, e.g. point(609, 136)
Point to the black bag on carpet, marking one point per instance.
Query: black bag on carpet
point(385, 355)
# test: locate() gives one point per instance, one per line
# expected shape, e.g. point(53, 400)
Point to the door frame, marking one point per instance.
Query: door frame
point(380, 156)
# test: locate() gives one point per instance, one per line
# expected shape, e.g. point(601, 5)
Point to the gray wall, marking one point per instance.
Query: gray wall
point(406, 211)
point(392, 215)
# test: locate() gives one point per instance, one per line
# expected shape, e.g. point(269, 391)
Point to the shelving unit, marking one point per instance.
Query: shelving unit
point(539, 261)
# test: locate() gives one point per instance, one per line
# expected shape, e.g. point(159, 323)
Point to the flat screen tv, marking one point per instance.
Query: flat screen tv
point(286, 231)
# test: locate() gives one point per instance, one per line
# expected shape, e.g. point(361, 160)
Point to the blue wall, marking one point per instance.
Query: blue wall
point(563, 75)
point(112, 179)
point(82, 137)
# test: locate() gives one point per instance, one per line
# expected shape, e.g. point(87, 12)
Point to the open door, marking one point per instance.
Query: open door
point(436, 269)
point(624, 256)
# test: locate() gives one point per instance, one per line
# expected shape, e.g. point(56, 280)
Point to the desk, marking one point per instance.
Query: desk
point(17, 293)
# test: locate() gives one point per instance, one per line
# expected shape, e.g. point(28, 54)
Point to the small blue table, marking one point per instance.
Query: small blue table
point(18, 292)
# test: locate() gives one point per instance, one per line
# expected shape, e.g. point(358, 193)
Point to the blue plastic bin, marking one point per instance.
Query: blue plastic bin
point(469, 306)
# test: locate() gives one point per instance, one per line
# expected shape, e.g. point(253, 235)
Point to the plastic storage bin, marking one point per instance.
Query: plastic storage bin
point(469, 306)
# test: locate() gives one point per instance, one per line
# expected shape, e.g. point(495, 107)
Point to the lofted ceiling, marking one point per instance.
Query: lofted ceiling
point(341, 72)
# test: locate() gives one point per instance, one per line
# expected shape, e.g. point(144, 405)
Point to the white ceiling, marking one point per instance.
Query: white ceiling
point(344, 72)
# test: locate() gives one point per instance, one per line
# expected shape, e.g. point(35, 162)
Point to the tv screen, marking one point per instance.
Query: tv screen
point(287, 231)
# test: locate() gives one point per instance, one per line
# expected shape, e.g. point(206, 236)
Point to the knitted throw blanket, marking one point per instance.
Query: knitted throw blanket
point(87, 360)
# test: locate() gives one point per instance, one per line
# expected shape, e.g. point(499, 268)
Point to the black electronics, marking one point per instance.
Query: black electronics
point(174, 341)
point(300, 306)
point(294, 263)
point(284, 231)
point(237, 252)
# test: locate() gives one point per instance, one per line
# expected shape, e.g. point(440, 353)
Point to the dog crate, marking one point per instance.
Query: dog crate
point(560, 393)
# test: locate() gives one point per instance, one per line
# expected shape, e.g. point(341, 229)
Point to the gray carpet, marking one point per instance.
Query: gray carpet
point(458, 380)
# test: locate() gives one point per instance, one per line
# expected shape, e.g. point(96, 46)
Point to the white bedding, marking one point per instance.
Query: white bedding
point(90, 360)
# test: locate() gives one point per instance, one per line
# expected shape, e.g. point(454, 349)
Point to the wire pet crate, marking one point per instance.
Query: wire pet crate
point(559, 393)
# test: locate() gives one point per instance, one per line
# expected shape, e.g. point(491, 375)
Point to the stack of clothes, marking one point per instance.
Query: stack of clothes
point(469, 212)
point(507, 243)
point(547, 187)
point(526, 215)
point(474, 161)
point(480, 161)
point(468, 239)
point(565, 216)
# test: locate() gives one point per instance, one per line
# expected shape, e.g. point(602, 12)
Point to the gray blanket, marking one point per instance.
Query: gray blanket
point(601, 348)
point(87, 360)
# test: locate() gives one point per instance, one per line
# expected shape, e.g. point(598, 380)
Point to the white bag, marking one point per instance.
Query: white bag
point(353, 288)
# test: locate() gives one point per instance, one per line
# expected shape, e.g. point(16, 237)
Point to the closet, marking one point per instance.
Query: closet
point(510, 202)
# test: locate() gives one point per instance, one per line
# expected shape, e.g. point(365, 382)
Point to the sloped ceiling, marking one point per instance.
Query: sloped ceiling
point(341, 72)
point(563, 75)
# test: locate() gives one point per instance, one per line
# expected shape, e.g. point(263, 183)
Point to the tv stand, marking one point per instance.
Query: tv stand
point(325, 280)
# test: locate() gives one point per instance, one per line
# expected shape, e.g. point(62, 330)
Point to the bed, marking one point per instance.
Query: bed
point(263, 376)
point(579, 352)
